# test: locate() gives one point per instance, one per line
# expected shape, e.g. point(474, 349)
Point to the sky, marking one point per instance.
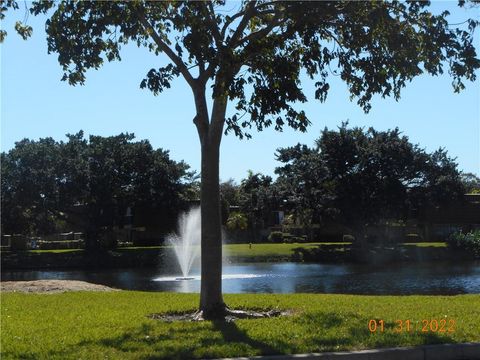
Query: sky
point(36, 104)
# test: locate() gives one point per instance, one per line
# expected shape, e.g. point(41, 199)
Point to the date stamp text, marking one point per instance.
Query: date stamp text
point(407, 326)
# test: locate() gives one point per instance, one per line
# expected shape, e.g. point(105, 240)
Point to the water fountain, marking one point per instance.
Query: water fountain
point(186, 244)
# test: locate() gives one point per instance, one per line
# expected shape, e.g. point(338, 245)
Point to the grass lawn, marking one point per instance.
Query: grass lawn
point(98, 325)
point(427, 244)
point(273, 250)
point(269, 249)
point(257, 249)
point(265, 249)
point(126, 248)
point(58, 251)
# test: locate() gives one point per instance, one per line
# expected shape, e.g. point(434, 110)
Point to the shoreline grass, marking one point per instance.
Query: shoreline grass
point(333, 252)
point(427, 244)
point(56, 251)
point(115, 325)
point(267, 249)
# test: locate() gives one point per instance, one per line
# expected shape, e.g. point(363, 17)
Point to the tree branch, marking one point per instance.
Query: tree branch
point(218, 118)
point(231, 19)
point(261, 33)
point(248, 14)
point(200, 120)
point(166, 49)
point(213, 26)
point(202, 127)
point(205, 74)
point(208, 73)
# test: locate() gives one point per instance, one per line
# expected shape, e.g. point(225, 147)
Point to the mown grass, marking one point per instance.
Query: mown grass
point(269, 250)
point(127, 248)
point(274, 250)
point(95, 325)
point(56, 251)
point(264, 249)
point(427, 244)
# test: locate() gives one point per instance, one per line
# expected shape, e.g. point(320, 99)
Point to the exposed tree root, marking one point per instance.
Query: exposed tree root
point(228, 315)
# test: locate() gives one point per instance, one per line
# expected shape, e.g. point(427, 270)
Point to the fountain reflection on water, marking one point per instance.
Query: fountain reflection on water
point(186, 244)
point(425, 278)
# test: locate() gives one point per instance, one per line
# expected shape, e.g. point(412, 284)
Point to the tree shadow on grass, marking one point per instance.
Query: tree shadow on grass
point(165, 341)
point(231, 333)
point(309, 332)
point(11, 355)
point(140, 343)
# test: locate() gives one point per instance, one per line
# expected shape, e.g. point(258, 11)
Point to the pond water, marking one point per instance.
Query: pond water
point(440, 278)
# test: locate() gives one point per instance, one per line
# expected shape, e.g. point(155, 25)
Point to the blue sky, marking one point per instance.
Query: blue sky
point(35, 103)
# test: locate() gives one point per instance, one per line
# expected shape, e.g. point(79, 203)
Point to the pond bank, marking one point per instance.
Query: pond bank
point(236, 253)
point(51, 286)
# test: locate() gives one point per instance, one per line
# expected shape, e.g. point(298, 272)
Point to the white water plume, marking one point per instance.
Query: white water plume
point(186, 243)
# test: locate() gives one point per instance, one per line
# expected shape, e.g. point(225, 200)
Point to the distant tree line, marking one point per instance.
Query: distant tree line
point(353, 176)
point(88, 184)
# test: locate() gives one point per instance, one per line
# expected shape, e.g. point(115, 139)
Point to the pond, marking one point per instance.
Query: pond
point(433, 278)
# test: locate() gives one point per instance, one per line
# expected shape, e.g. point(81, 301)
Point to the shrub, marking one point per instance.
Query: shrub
point(56, 245)
point(413, 238)
point(275, 237)
point(237, 221)
point(288, 238)
point(469, 242)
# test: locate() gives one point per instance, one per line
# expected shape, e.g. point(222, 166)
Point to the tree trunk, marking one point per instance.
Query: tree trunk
point(210, 133)
point(92, 230)
point(211, 300)
point(361, 246)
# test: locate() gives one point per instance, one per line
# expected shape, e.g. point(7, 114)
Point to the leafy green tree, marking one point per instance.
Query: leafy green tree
point(73, 175)
point(117, 173)
point(29, 187)
point(229, 196)
point(365, 177)
point(258, 198)
point(303, 184)
point(441, 182)
point(237, 221)
point(471, 182)
point(253, 56)
point(371, 172)
point(89, 184)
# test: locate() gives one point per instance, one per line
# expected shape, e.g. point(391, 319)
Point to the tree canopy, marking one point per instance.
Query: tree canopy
point(363, 177)
point(43, 181)
point(254, 55)
point(471, 183)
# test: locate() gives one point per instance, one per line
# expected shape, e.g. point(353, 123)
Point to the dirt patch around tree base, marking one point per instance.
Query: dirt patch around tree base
point(51, 286)
point(230, 315)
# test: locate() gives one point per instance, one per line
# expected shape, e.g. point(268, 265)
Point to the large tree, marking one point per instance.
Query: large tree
point(363, 177)
point(471, 183)
point(253, 55)
point(303, 183)
point(45, 181)
point(258, 199)
point(122, 173)
point(29, 187)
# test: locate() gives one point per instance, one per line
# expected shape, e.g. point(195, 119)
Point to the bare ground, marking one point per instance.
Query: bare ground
point(51, 286)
